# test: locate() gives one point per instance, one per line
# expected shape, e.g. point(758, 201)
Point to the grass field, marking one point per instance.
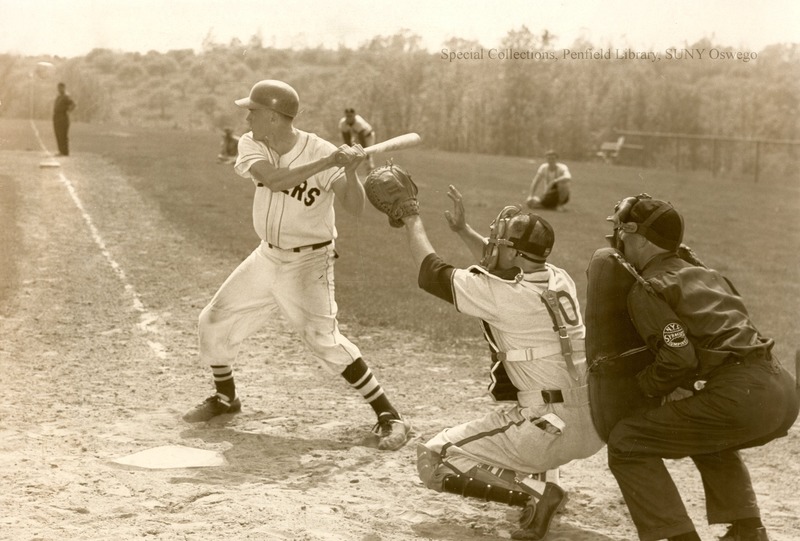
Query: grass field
point(748, 231)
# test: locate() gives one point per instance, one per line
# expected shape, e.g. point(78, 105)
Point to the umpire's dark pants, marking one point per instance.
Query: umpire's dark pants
point(61, 127)
point(743, 405)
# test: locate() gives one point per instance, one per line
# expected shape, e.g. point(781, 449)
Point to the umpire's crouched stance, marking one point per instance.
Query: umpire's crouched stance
point(707, 349)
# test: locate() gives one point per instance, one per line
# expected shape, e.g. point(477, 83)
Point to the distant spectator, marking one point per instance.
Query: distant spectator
point(357, 130)
point(229, 149)
point(62, 107)
point(550, 188)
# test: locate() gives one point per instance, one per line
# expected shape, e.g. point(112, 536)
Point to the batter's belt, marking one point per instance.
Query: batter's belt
point(316, 246)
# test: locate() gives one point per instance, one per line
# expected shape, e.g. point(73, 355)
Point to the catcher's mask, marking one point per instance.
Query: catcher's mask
point(655, 220)
point(528, 233)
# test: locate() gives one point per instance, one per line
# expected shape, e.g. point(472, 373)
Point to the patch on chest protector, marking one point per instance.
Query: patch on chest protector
point(674, 335)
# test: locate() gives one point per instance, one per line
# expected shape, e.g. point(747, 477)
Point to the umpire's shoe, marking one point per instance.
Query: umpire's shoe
point(212, 407)
point(553, 498)
point(738, 533)
point(392, 430)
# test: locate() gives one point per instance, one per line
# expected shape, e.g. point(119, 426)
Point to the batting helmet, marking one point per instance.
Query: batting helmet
point(528, 233)
point(274, 95)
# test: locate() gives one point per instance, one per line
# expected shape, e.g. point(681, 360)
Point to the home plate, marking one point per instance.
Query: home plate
point(172, 456)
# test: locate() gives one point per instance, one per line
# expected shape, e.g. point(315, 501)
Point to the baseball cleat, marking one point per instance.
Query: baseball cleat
point(213, 406)
point(737, 533)
point(393, 432)
point(534, 526)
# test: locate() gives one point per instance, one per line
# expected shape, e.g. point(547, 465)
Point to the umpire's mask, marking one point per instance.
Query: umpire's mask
point(622, 212)
point(655, 220)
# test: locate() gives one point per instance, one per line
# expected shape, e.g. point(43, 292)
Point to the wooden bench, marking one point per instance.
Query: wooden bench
point(616, 151)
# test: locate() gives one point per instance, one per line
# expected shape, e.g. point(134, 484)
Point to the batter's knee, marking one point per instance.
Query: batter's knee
point(211, 328)
point(315, 341)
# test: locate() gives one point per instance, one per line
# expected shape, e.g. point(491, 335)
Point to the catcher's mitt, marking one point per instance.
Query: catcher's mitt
point(390, 190)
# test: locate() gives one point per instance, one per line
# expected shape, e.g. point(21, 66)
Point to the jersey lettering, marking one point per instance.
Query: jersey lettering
point(567, 307)
point(311, 196)
point(299, 191)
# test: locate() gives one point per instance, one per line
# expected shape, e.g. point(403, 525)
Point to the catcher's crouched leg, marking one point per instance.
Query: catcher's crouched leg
point(477, 483)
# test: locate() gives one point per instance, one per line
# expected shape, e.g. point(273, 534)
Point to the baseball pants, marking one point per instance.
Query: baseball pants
point(741, 406)
point(61, 129)
point(558, 194)
point(510, 439)
point(299, 286)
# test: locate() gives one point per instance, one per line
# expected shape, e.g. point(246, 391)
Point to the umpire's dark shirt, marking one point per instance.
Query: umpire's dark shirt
point(694, 321)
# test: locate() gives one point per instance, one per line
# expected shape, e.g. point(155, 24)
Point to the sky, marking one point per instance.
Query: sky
point(69, 28)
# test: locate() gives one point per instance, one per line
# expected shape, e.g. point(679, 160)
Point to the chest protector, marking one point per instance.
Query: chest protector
point(615, 352)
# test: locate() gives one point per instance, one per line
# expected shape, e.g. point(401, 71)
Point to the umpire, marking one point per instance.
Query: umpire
point(723, 388)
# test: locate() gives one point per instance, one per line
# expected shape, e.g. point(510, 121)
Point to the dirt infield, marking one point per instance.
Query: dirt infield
point(98, 359)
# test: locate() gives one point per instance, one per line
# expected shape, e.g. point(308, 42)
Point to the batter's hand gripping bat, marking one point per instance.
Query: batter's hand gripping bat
point(400, 142)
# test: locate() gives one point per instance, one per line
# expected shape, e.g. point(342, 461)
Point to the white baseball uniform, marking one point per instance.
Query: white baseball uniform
point(359, 130)
point(291, 271)
point(537, 433)
point(548, 176)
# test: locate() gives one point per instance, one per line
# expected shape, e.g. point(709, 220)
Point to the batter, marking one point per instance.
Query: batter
point(296, 175)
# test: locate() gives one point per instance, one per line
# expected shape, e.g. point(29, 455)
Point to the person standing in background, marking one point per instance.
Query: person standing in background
point(62, 107)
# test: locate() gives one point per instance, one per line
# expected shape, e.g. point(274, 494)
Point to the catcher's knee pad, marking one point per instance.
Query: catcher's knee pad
point(430, 468)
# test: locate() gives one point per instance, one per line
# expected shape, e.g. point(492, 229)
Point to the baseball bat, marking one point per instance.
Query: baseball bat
point(400, 142)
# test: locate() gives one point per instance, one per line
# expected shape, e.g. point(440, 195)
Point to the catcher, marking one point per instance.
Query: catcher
point(719, 386)
point(532, 323)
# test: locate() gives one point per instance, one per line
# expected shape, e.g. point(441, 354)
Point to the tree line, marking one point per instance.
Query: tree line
point(536, 96)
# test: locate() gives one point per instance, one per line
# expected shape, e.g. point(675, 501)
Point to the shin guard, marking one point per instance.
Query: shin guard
point(469, 487)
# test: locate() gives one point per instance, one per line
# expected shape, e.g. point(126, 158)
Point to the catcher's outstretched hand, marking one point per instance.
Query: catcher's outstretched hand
point(390, 190)
point(457, 219)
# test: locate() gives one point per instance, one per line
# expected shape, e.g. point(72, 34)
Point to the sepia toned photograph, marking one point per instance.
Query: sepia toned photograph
point(399, 271)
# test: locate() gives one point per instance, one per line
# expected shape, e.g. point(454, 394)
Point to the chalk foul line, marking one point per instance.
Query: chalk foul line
point(146, 319)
